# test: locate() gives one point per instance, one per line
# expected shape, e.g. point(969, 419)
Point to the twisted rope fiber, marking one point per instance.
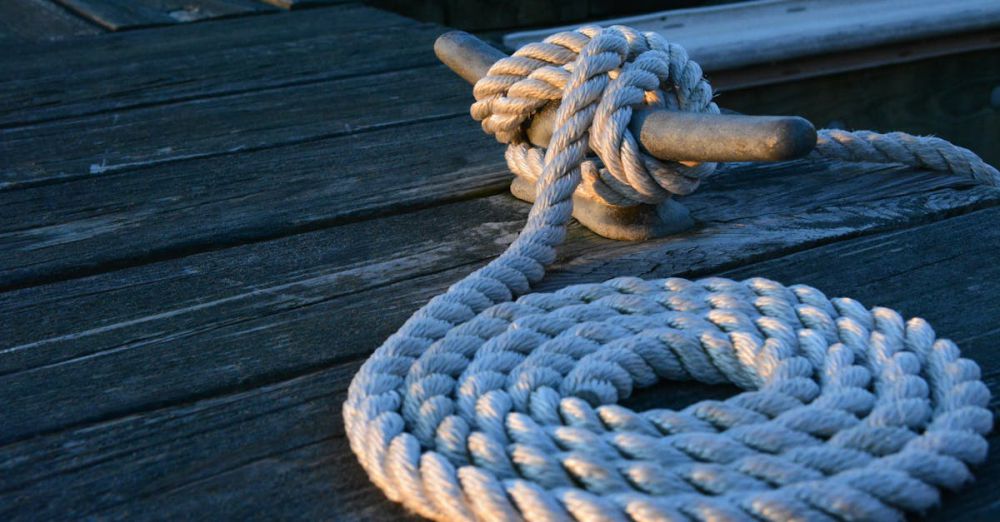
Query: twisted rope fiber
point(482, 407)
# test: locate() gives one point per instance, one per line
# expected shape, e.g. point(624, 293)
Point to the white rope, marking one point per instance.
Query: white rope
point(480, 408)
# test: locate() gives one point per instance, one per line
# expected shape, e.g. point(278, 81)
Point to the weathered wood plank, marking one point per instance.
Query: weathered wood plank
point(80, 235)
point(197, 61)
point(67, 229)
point(132, 14)
point(295, 292)
point(278, 450)
point(39, 21)
point(921, 98)
point(91, 146)
point(749, 33)
point(878, 57)
point(192, 327)
point(289, 430)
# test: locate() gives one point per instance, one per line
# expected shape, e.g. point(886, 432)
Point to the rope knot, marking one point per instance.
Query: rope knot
point(601, 76)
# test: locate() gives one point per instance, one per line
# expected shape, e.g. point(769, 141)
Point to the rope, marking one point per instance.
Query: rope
point(482, 407)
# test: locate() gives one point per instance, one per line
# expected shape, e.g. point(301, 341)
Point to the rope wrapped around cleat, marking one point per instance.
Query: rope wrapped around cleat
point(483, 407)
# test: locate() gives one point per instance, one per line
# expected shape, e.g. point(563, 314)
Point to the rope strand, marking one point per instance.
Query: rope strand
point(485, 408)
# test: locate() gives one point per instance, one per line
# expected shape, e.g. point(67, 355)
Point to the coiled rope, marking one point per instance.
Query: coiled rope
point(481, 407)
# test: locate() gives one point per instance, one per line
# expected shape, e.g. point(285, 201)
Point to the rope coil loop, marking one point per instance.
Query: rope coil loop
point(481, 407)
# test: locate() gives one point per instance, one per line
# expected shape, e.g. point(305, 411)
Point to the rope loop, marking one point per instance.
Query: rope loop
point(483, 407)
point(638, 70)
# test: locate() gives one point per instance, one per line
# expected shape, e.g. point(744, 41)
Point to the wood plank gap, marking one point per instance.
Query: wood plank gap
point(228, 417)
point(275, 87)
point(124, 168)
point(41, 21)
point(914, 223)
point(270, 380)
point(430, 274)
point(349, 367)
point(559, 278)
point(248, 237)
point(256, 459)
point(188, 60)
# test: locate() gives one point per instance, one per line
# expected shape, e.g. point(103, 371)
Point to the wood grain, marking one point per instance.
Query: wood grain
point(132, 14)
point(749, 33)
point(96, 224)
point(182, 459)
point(39, 21)
point(860, 59)
point(236, 137)
point(948, 96)
point(278, 450)
point(175, 331)
point(198, 61)
point(133, 139)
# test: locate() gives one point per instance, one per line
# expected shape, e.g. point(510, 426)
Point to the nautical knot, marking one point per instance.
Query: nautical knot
point(481, 407)
point(644, 70)
point(635, 69)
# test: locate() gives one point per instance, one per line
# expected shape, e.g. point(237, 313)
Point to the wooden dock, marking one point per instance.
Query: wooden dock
point(213, 214)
